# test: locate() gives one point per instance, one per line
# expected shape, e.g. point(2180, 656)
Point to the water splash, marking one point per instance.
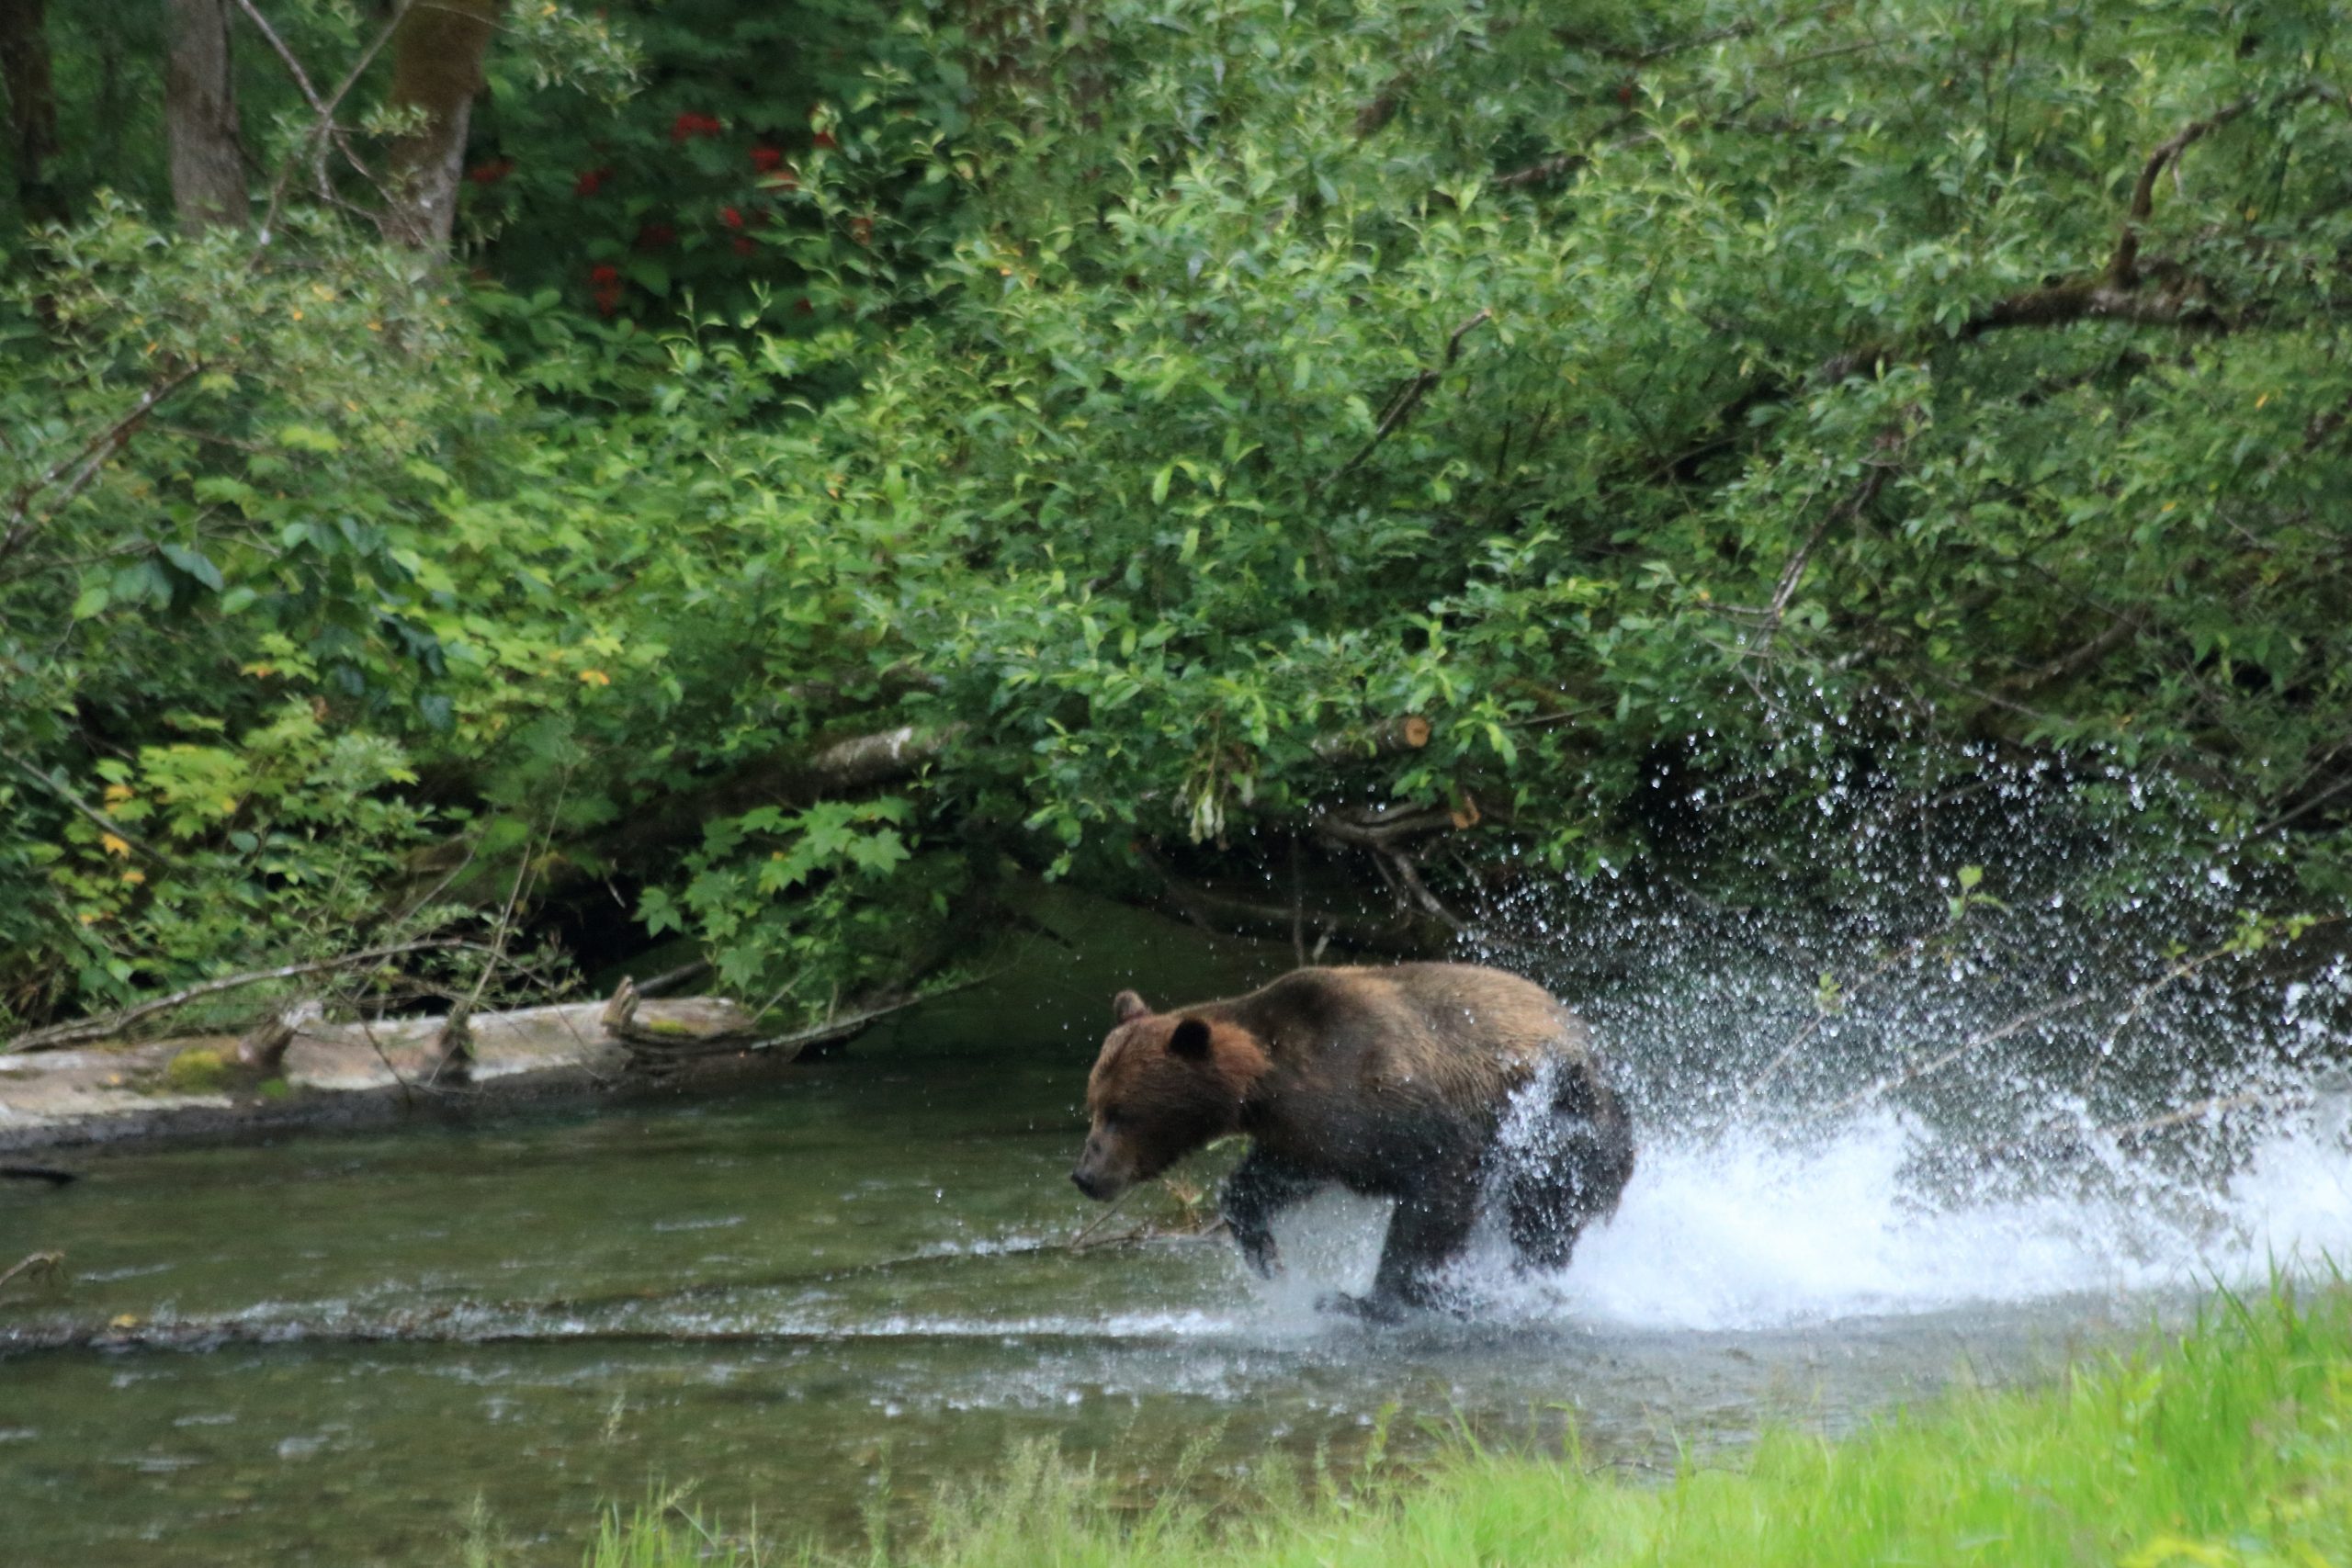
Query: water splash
point(1736, 1231)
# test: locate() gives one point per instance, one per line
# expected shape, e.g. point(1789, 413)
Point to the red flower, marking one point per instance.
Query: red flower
point(591, 181)
point(489, 174)
point(654, 236)
point(745, 245)
point(605, 275)
point(607, 301)
point(824, 139)
point(785, 178)
point(767, 159)
point(731, 216)
point(689, 125)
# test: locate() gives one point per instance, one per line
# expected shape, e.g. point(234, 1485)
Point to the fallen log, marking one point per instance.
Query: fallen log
point(661, 1037)
point(1391, 738)
point(324, 1072)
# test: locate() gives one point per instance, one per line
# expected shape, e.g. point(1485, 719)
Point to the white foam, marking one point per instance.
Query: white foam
point(1737, 1234)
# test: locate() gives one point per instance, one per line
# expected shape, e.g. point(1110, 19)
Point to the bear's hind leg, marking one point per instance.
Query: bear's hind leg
point(1550, 1194)
point(1545, 1219)
point(1429, 1231)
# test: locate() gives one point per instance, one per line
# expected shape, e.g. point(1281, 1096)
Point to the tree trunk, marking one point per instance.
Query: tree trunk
point(436, 70)
point(200, 119)
point(32, 106)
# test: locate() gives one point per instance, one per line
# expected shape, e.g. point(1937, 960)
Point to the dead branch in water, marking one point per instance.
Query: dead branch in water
point(40, 1268)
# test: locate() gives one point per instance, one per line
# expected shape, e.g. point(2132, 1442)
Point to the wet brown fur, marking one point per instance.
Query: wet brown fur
point(1391, 1082)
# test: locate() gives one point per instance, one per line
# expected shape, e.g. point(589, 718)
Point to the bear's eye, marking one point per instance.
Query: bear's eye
point(1113, 1118)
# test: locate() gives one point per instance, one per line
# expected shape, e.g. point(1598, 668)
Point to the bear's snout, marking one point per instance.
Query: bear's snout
point(1093, 1174)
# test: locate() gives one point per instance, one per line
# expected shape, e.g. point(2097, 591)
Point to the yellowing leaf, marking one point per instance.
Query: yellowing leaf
point(133, 878)
point(116, 794)
point(594, 678)
point(114, 846)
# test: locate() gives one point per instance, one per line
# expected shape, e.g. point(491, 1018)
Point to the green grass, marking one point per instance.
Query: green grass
point(2229, 1445)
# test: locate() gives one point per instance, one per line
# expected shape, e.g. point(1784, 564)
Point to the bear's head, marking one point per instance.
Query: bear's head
point(1165, 1084)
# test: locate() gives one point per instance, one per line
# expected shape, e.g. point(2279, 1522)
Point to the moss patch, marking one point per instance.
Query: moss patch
point(200, 1070)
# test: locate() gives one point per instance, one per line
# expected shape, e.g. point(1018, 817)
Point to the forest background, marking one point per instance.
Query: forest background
point(489, 486)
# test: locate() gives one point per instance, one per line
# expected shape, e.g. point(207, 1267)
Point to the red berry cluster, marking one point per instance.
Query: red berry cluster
point(770, 162)
point(604, 288)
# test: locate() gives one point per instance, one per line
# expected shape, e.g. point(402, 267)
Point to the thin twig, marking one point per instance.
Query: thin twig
point(1098, 1221)
point(2123, 266)
point(105, 823)
point(114, 1022)
point(90, 458)
point(2061, 1141)
point(325, 128)
point(655, 985)
point(44, 1266)
point(1792, 574)
point(1402, 408)
point(1938, 1063)
point(2322, 798)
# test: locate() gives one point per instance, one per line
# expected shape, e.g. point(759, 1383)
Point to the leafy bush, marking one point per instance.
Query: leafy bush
point(1789, 452)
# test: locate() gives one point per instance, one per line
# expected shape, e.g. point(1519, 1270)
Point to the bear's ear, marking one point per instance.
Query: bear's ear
point(1189, 1040)
point(1126, 1005)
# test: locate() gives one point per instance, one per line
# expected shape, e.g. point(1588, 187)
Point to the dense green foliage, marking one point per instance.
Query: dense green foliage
point(1735, 429)
point(2230, 1448)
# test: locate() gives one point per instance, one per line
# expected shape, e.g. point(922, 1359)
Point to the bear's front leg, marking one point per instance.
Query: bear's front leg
point(1260, 1187)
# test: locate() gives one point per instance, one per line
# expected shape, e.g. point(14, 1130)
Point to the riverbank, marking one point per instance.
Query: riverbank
point(2230, 1444)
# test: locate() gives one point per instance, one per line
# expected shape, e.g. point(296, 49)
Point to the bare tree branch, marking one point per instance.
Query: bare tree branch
point(100, 1028)
point(1938, 1063)
point(85, 464)
point(1402, 407)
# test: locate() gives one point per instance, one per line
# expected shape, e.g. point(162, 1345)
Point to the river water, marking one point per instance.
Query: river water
point(854, 1280)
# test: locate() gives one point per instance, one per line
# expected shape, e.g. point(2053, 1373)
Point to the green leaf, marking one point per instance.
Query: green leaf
point(309, 438)
point(195, 565)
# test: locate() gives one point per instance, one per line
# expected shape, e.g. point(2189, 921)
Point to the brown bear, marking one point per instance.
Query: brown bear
point(1439, 1085)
